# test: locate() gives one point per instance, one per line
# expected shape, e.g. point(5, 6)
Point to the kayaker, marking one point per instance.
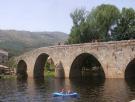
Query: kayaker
point(68, 91)
point(62, 90)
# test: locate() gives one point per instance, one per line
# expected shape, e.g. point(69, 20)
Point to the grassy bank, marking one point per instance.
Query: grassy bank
point(49, 73)
point(46, 73)
point(7, 76)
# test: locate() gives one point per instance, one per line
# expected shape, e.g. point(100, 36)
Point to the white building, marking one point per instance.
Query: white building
point(3, 56)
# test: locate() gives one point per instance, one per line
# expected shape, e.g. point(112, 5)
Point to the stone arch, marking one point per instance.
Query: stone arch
point(21, 70)
point(38, 71)
point(78, 66)
point(130, 69)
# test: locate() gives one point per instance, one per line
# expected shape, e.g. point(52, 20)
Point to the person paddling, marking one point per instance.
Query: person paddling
point(62, 90)
point(68, 91)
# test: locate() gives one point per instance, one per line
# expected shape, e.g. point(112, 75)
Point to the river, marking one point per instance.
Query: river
point(94, 90)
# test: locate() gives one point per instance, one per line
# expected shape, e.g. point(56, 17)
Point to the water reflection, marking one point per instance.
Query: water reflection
point(115, 89)
point(131, 88)
point(90, 90)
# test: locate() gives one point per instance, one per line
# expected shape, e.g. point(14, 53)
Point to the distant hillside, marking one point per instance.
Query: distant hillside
point(17, 42)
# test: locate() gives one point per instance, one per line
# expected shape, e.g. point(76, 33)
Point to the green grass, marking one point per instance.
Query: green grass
point(7, 76)
point(49, 73)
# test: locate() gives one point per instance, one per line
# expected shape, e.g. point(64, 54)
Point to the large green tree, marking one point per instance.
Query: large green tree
point(94, 25)
point(102, 18)
point(103, 23)
point(125, 26)
point(79, 26)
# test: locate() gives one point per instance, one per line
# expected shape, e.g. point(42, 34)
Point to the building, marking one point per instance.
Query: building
point(3, 56)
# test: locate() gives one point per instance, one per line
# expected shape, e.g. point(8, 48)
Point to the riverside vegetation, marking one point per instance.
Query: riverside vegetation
point(103, 23)
point(49, 69)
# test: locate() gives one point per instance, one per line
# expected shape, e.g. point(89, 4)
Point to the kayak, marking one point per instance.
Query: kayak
point(59, 94)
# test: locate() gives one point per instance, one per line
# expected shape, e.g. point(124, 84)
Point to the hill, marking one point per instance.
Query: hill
point(17, 42)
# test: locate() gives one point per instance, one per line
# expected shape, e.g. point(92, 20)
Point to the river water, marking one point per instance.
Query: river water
point(94, 90)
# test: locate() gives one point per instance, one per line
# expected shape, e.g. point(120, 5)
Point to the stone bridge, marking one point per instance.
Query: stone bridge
point(116, 59)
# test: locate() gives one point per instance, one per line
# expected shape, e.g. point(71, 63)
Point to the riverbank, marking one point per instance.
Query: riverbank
point(49, 73)
point(7, 76)
point(46, 73)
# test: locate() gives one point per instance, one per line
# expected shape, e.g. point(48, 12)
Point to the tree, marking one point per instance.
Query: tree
point(11, 63)
point(79, 21)
point(78, 16)
point(94, 25)
point(102, 18)
point(103, 23)
point(125, 26)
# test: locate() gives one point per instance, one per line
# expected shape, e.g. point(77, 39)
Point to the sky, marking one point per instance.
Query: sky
point(47, 15)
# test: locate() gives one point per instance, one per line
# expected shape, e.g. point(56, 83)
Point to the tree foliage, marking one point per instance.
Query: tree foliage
point(79, 26)
point(103, 23)
point(102, 18)
point(11, 63)
point(125, 26)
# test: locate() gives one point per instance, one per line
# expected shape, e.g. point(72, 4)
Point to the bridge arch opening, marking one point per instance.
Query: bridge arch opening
point(86, 66)
point(130, 69)
point(39, 65)
point(22, 70)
